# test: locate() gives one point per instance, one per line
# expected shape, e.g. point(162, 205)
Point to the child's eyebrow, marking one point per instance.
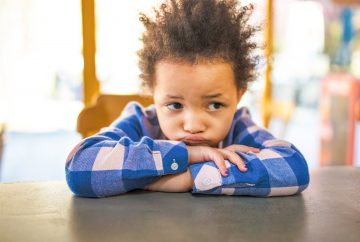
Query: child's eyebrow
point(174, 97)
point(212, 96)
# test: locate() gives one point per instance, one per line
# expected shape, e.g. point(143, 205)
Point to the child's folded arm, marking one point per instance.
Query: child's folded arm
point(275, 171)
point(110, 163)
point(279, 169)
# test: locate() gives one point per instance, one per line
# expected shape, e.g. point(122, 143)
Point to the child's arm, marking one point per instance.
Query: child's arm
point(111, 162)
point(278, 169)
point(182, 182)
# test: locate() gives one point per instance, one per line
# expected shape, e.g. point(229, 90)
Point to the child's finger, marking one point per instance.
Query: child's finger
point(246, 149)
point(242, 148)
point(220, 163)
point(235, 159)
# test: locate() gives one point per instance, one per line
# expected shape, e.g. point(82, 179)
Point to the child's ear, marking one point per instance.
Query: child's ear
point(240, 94)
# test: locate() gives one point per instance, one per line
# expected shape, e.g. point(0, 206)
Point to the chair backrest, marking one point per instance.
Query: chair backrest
point(106, 109)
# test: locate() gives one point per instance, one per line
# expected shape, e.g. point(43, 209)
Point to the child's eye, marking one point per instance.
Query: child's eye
point(215, 106)
point(174, 106)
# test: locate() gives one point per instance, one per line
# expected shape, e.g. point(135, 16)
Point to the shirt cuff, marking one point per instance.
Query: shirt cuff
point(206, 177)
point(208, 180)
point(173, 156)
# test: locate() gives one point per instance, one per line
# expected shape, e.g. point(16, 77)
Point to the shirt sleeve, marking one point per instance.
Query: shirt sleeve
point(120, 159)
point(279, 169)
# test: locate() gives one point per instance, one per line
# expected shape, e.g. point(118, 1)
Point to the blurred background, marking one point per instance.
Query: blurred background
point(314, 74)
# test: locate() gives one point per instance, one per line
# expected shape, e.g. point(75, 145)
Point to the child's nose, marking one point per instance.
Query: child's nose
point(193, 123)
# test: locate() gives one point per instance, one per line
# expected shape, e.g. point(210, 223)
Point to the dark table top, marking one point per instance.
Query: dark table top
point(329, 210)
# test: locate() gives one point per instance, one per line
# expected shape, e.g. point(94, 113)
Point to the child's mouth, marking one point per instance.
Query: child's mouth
point(194, 143)
point(194, 140)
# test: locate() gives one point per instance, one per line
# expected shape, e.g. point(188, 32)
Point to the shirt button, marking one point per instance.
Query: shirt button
point(207, 181)
point(174, 165)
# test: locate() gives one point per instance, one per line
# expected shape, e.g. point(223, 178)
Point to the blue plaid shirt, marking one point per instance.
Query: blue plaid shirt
point(133, 153)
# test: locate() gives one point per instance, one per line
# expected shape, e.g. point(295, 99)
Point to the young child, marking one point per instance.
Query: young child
point(197, 62)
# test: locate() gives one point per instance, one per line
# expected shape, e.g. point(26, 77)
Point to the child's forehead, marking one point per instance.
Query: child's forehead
point(202, 79)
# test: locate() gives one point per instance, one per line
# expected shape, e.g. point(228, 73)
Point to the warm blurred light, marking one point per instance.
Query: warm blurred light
point(355, 64)
point(118, 30)
point(305, 29)
point(40, 64)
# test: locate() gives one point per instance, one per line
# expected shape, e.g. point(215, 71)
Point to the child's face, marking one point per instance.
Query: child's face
point(195, 103)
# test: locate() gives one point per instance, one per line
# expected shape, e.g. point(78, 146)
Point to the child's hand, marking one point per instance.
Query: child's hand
point(199, 154)
point(242, 148)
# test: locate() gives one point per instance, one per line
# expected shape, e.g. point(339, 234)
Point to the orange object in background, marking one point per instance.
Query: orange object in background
point(357, 110)
point(339, 98)
point(346, 2)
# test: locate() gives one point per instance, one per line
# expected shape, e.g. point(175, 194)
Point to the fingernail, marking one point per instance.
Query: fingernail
point(243, 167)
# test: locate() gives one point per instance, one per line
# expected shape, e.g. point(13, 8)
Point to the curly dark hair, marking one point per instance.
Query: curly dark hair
point(191, 31)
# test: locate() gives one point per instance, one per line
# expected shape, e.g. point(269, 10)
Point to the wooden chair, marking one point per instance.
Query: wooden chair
point(282, 111)
point(106, 109)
